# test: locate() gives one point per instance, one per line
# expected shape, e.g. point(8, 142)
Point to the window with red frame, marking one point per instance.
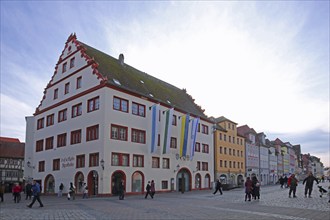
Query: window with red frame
point(118, 132)
point(166, 163)
point(93, 104)
point(205, 148)
point(78, 83)
point(92, 133)
point(76, 136)
point(138, 109)
point(205, 129)
point(94, 160)
point(67, 88)
point(40, 123)
point(76, 110)
point(198, 165)
point(49, 143)
point(120, 159)
point(205, 166)
point(173, 143)
point(138, 161)
point(72, 62)
point(120, 104)
point(40, 145)
point(55, 93)
point(64, 67)
point(61, 140)
point(155, 162)
point(197, 147)
point(41, 166)
point(138, 136)
point(164, 184)
point(50, 120)
point(80, 162)
point(56, 164)
point(62, 115)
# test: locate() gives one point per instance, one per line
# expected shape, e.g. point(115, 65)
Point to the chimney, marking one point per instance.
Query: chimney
point(121, 59)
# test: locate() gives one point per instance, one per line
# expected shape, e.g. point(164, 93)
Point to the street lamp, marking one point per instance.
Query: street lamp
point(102, 164)
point(29, 165)
point(177, 168)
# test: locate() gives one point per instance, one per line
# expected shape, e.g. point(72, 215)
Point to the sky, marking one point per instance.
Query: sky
point(263, 63)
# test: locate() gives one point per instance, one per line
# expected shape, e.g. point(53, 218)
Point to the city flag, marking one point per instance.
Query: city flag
point(168, 129)
point(154, 126)
point(193, 137)
point(184, 135)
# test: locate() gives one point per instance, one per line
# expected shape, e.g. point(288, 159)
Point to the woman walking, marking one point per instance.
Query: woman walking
point(248, 189)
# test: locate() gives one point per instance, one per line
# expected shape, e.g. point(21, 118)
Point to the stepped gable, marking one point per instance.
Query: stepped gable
point(124, 77)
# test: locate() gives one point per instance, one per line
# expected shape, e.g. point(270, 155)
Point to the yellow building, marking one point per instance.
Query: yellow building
point(229, 153)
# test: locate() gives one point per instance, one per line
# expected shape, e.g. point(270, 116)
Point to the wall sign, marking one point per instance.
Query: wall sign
point(67, 162)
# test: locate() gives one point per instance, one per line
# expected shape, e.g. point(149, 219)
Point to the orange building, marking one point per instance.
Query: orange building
point(229, 153)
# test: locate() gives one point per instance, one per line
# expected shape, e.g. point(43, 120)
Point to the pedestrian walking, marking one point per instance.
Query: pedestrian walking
point(309, 180)
point(281, 180)
point(248, 189)
point(36, 194)
point(152, 189)
point(72, 192)
point(218, 186)
point(286, 181)
point(148, 188)
point(85, 191)
point(17, 192)
point(28, 192)
point(2, 190)
point(292, 183)
point(60, 190)
point(121, 190)
point(255, 188)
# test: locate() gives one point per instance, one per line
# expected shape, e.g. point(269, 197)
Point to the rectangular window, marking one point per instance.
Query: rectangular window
point(237, 140)
point(220, 150)
point(229, 139)
point(229, 164)
point(55, 93)
point(166, 163)
point(80, 162)
point(76, 136)
point(205, 129)
point(205, 148)
point(76, 110)
point(155, 162)
point(173, 143)
point(234, 164)
point(61, 140)
point(64, 67)
point(138, 136)
point(220, 163)
point(41, 166)
point(138, 161)
point(78, 83)
point(40, 145)
point(225, 163)
point(238, 165)
point(72, 62)
point(119, 159)
point(120, 104)
point(174, 120)
point(229, 151)
point(92, 133)
point(241, 164)
point(241, 153)
point(164, 184)
point(198, 165)
point(66, 88)
point(220, 136)
point(234, 151)
point(56, 164)
point(197, 147)
point(138, 109)
point(49, 143)
point(50, 120)
point(40, 123)
point(94, 160)
point(62, 115)
point(234, 140)
point(225, 137)
point(225, 150)
point(205, 166)
point(118, 132)
point(93, 104)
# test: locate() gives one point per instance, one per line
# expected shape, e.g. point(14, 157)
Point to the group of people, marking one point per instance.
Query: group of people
point(252, 188)
point(150, 188)
point(308, 181)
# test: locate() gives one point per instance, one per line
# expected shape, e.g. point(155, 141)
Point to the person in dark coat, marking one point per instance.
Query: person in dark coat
point(309, 180)
point(36, 194)
point(255, 188)
point(248, 188)
point(218, 187)
point(152, 189)
point(281, 180)
point(148, 188)
point(121, 190)
point(286, 181)
point(28, 192)
point(292, 183)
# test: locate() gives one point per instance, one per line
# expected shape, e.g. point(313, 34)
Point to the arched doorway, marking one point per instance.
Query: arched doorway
point(207, 181)
point(49, 184)
point(93, 183)
point(116, 179)
point(240, 180)
point(79, 182)
point(137, 182)
point(198, 181)
point(183, 180)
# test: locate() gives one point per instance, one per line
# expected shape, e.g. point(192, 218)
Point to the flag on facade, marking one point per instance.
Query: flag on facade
point(184, 135)
point(154, 126)
point(194, 128)
point(168, 129)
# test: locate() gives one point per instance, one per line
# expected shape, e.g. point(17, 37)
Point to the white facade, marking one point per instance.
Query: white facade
point(99, 157)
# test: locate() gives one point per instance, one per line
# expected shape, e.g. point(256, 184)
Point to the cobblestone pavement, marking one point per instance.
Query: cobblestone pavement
point(273, 204)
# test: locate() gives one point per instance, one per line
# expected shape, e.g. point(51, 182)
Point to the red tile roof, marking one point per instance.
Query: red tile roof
point(7, 139)
point(11, 148)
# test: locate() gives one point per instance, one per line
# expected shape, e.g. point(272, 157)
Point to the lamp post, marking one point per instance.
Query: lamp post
point(102, 164)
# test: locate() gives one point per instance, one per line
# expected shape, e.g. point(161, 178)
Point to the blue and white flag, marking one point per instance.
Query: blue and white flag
point(168, 129)
point(154, 126)
point(193, 137)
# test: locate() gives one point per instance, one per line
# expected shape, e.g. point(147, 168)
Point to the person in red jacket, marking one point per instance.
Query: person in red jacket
point(292, 183)
point(248, 188)
point(17, 192)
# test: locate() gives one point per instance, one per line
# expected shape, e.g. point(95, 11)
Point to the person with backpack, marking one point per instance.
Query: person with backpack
point(148, 188)
point(292, 183)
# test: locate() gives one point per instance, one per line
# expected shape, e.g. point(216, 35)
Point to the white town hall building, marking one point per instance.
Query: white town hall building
point(101, 122)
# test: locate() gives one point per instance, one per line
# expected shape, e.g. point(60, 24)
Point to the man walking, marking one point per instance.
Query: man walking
point(36, 194)
point(309, 180)
point(292, 183)
point(218, 187)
